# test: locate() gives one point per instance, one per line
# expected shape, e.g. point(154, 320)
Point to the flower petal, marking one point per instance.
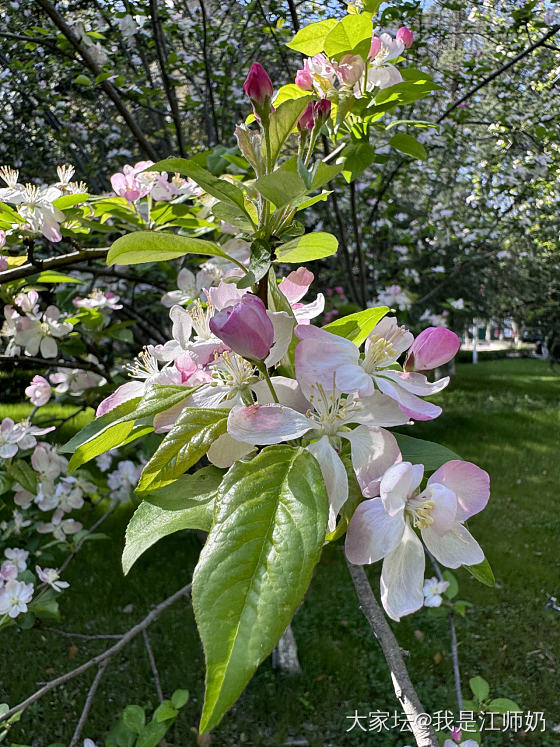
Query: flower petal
point(225, 450)
point(182, 325)
point(454, 548)
point(410, 404)
point(283, 325)
point(303, 312)
point(396, 486)
point(319, 355)
point(402, 576)
point(287, 390)
point(266, 424)
point(416, 383)
point(127, 391)
point(334, 475)
point(470, 484)
point(296, 284)
point(380, 410)
point(374, 450)
point(353, 378)
point(372, 533)
point(444, 512)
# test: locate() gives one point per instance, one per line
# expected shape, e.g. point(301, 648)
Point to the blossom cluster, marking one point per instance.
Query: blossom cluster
point(135, 182)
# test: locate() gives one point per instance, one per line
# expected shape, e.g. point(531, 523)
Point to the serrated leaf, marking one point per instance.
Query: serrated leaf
point(187, 503)
point(156, 246)
point(310, 40)
point(408, 145)
point(188, 440)
point(480, 688)
point(428, 453)
point(307, 248)
point(257, 563)
point(347, 34)
point(482, 572)
point(283, 121)
point(356, 327)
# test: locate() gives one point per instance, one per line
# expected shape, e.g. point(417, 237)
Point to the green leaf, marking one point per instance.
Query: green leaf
point(482, 572)
point(134, 717)
point(156, 246)
point(357, 157)
point(503, 705)
point(67, 201)
point(165, 711)
point(220, 188)
point(152, 734)
point(308, 247)
point(179, 698)
point(428, 453)
point(281, 187)
point(82, 80)
point(283, 121)
point(408, 145)
point(480, 688)
point(259, 263)
point(256, 565)
point(45, 605)
point(50, 276)
point(190, 438)
point(453, 588)
point(347, 34)
point(356, 327)
point(188, 503)
point(22, 472)
point(310, 40)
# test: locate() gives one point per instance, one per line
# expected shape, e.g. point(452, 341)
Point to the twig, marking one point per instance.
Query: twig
point(83, 636)
point(358, 244)
point(87, 705)
point(96, 660)
point(497, 73)
point(153, 665)
point(453, 635)
point(30, 268)
point(50, 363)
point(404, 690)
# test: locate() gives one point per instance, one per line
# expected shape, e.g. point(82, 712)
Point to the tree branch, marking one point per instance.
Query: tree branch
point(153, 665)
point(87, 705)
point(50, 363)
point(106, 85)
point(40, 265)
point(96, 660)
point(404, 690)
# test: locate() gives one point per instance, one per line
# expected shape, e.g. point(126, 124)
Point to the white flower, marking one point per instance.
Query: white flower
point(8, 571)
point(75, 380)
point(433, 589)
point(50, 576)
point(14, 598)
point(35, 205)
point(39, 391)
point(458, 304)
point(103, 461)
point(18, 557)
point(59, 528)
point(123, 480)
point(40, 336)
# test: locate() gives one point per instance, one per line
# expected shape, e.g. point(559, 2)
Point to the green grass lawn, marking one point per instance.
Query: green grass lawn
point(503, 415)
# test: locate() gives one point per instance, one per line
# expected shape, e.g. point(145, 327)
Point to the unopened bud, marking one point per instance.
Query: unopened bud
point(405, 36)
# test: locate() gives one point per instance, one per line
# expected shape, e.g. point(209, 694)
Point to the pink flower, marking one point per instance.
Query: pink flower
point(2, 238)
point(50, 576)
point(321, 111)
point(406, 36)
point(294, 287)
point(126, 184)
point(375, 47)
point(39, 391)
point(433, 347)
point(384, 528)
point(258, 86)
point(306, 121)
point(350, 69)
point(304, 79)
point(245, 327)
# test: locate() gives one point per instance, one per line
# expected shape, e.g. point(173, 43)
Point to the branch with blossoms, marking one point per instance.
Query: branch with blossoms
point(272, 432)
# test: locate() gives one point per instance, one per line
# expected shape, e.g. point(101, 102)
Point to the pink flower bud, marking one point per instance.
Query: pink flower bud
point(350, 68)
point(245, 327)
point(406, 36)
point(433, 347)
point(306, 121)
point(258, 86)
point(321, 111)
point(375, 47)
point(304, 80)
point(39, 391)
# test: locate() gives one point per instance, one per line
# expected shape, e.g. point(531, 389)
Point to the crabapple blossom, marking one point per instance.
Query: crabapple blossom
point(14, 436)
point(380, 73)
point(350, 69)
point(39, 391)
point(75, 380)
point(8, 571)
point(127, 185)
point(189, 286)
point(433, 347)
point(18, 557)
point(14, 597)
point(123, 480)
point(258, 87)
point(98, 299)
point(384, 528)
point(405, 36)
point(40, 335)
point(59, 527)
point(432, 590)
point(245, 328)
point(50, 576)
point(35, 205)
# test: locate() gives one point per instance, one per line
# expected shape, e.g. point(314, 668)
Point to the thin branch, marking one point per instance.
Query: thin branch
point(153, 665)
point(404, 690)
point(497, 73)
point(294, 15)
point(40, 265)
point(87, 705)
point(167, 83)
point(50, 363)
point(96, 660)
point(106, 85)
point(83, 636)
point(209, 83)
point(358, 243)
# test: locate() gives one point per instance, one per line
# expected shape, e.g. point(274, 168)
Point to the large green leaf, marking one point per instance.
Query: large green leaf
point(310, 40)
point(269, 527)
point(347, 34)
point(220, 188)
point(281, 187)
point(356, 327)
point(428, 453)
point(283, 121)
point(189, 439)
point(188, 503)
point(156, 246)
point(308, 247)
point(408, 145)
